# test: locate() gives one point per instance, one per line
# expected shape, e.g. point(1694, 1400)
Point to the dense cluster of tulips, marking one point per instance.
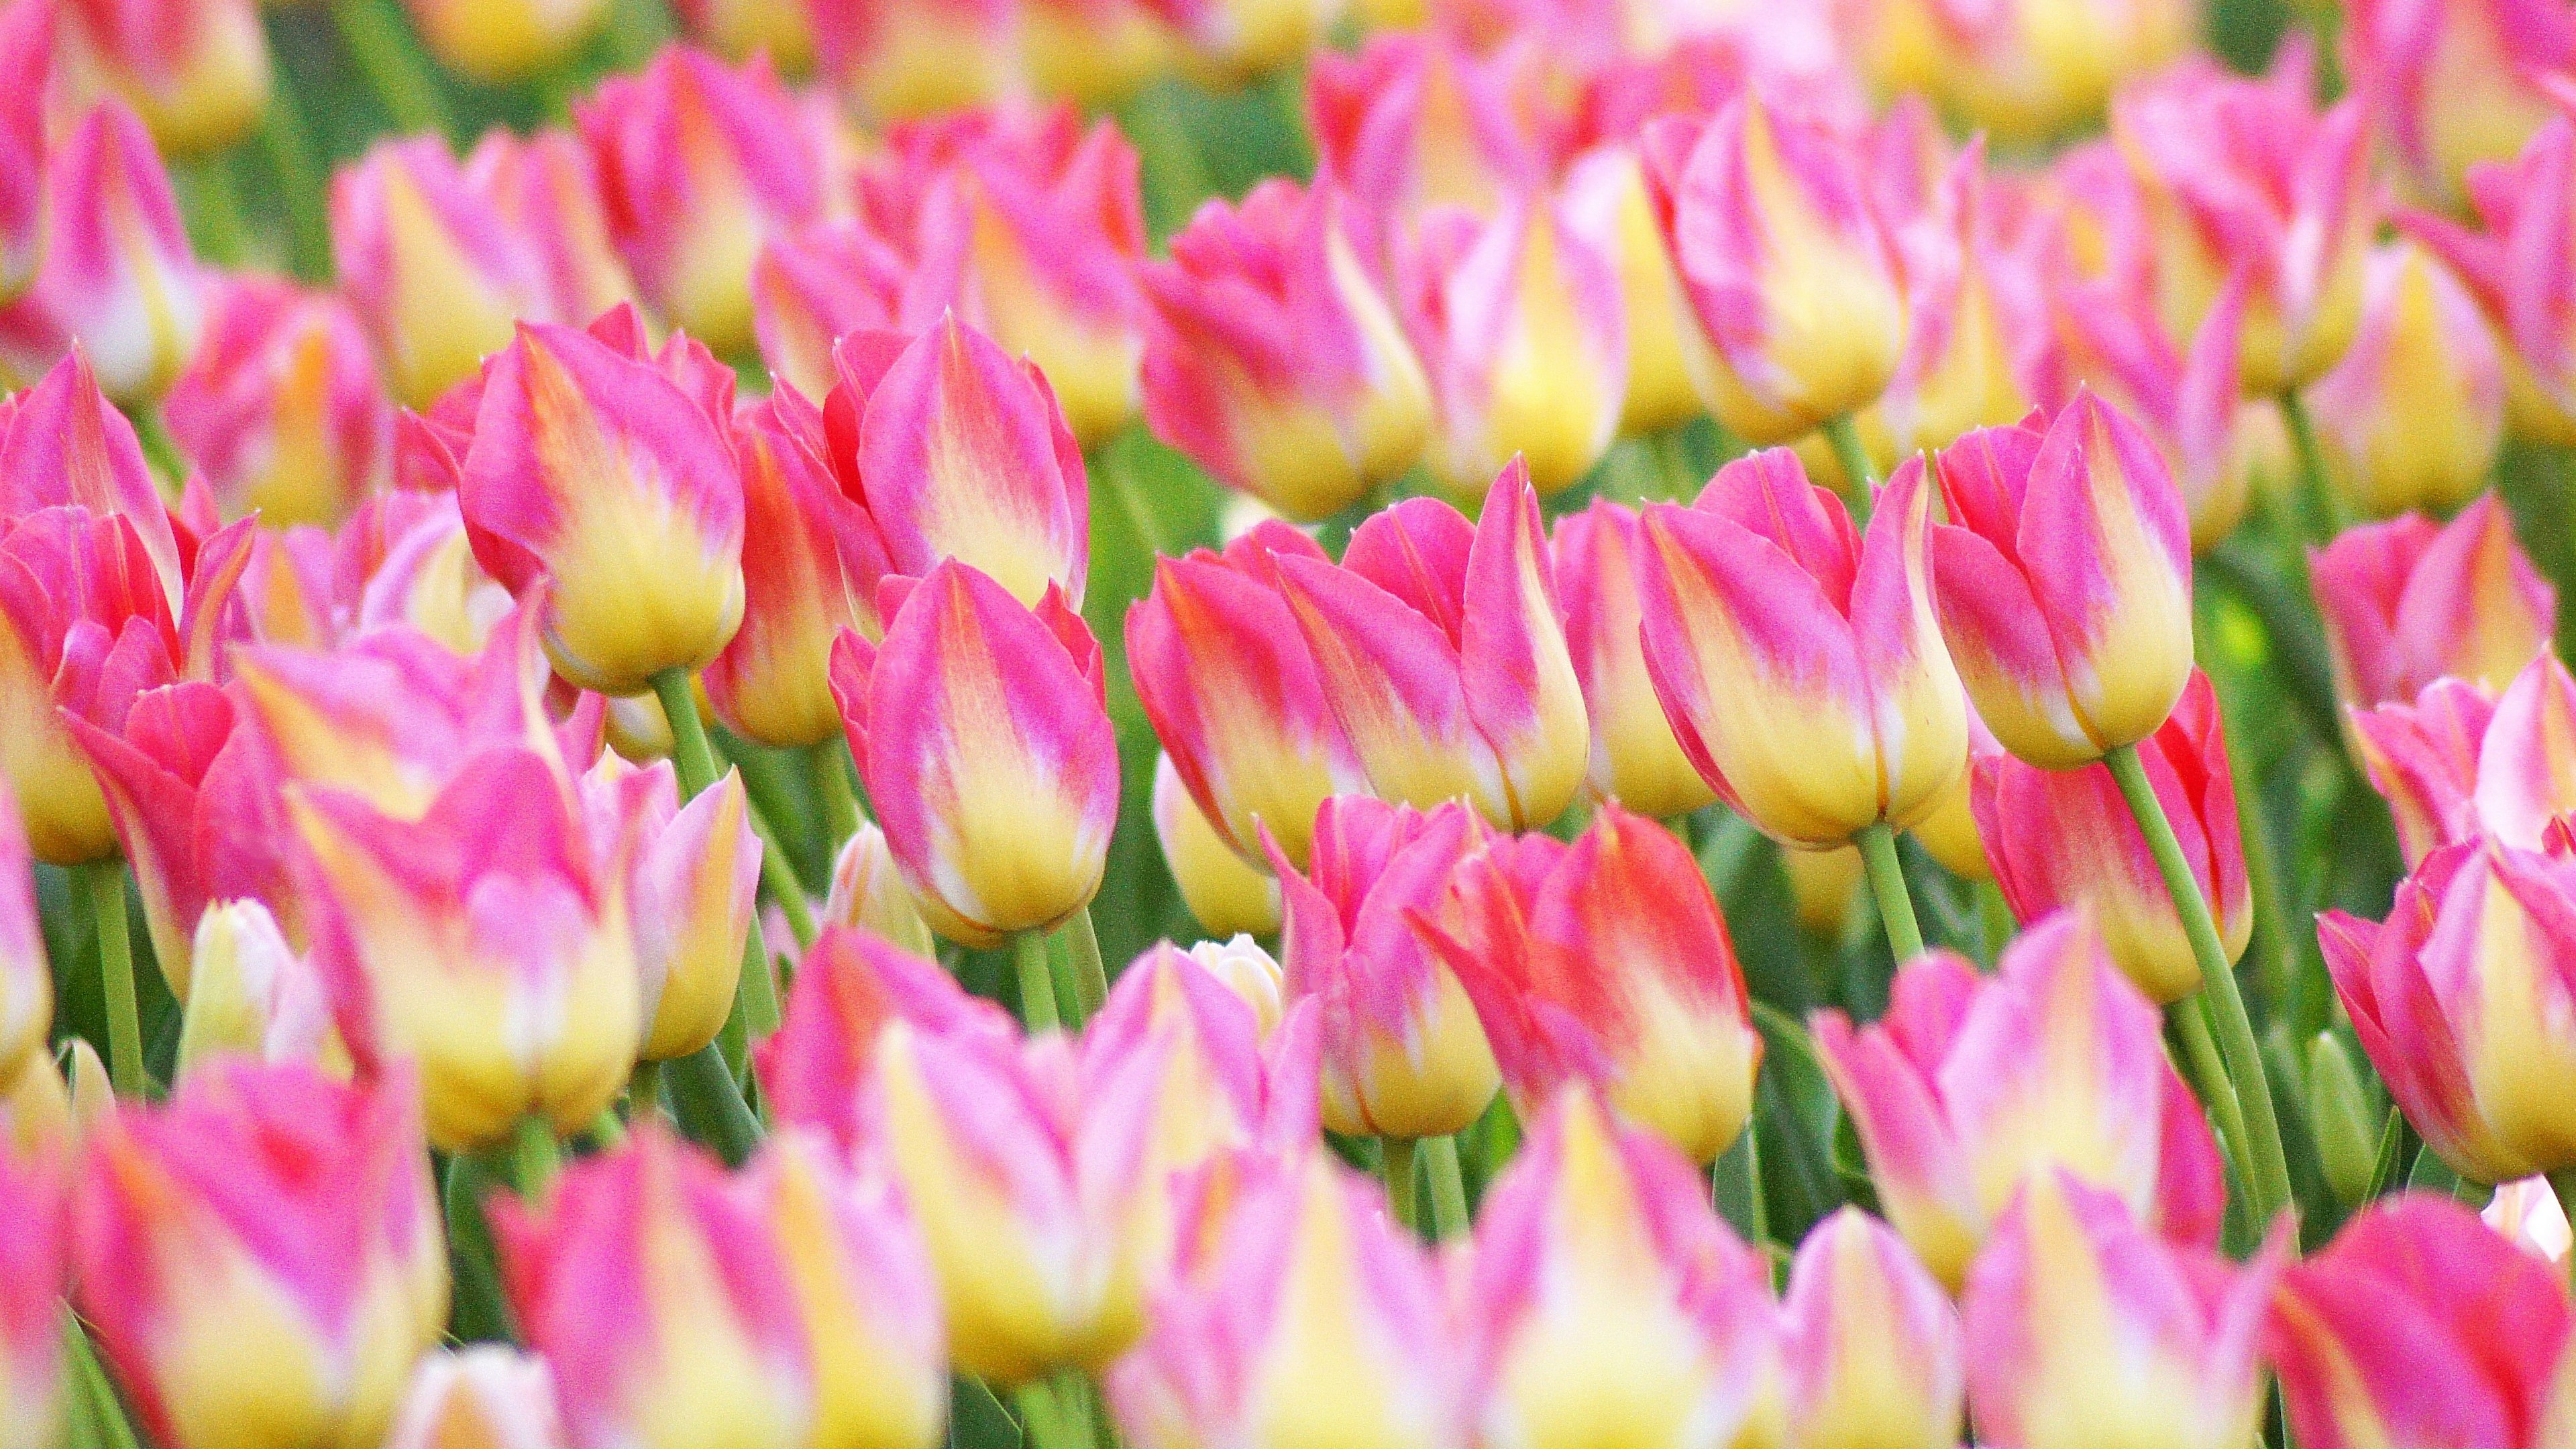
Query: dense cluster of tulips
point(1729, 619)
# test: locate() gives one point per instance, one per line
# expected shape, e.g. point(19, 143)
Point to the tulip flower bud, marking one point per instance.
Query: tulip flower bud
point(960, 452)
point(1824, 886)
point(1305, 1317)
point(26, 84)
point(1278, 366)
point(1787, 262)
point(1873, 1345)
point(981, 730)
point(501, 42)
point(1607, 1305)
point(741, 29)
point(251, 994)
point(1972, 1086)
point(261, 1257)
point(2408, 602)
point(1667, 352)
point(2341, 1115)
point(607, 472)
point(486, 1394)
point(26, 981)
point(919, 57)
point(115, 277)
point(2422, 354)
point(1226, 894)
point(2025, 73)
point(1234, 694)
point(2065, 583)
point(2068, 837)
point(693, 874)
point(699, 165)
point(1606, 962)
point(1635, 758)
point(2454, 84)
point(2456, 766)
point(1097, 55)
point(2082, 1325)
point(1416, 123)
point(546, 189)
point(281, 408)
point(868, 894)
point(1242, 967)
point(1403, 1055)
point(1441, 651)
point(196, 71)
point(2515, 268)
point(1763, 615)
point(813, 287)
point(35, 1390)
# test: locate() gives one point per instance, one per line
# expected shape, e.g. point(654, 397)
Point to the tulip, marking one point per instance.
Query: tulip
point(1414, 123)
point(1787, 262)
point(63, 443)
point(546, 189)
point(261, 1258)
point(1636, 760)
point(2083, 1328)
point(1234, 694)
point(1521, 331)
point(1765, 617)
point(2419, 1324)
point(35, 1390)
point(196, 71)
point(1872, 1344)
point(2515, 267)
point(1303, 1316)
point(1667, 352)
point(1242, 967)
point(1225, 893)
point(1441, 651)
point(1824, 885)
point(2422, 353)
point(1094, 53)
point(2244, 177)
point(594, 467)
point(1971, 1086)
point(2408, 602)
point(1277, 364)
point(250, 994)
point(699, 165)
point(1607, 962)
point(960, 452)
point(1403, 1055)
point(2457, 997)
point(26, 80)
point(2457, 764)
point(2454, 83)
point(114, 277)
point(741, 29)
point(813, 287)
point(485, 1394)
point(2065, 583)
point(53, 1103)
point(281, 407)
point(693, 874)
point(26, 982)
point(487, 939)
point(2064, 838)
point(498, 42)
point(919, 57)
point(1606, 1305)
point(1232, 42)
point(811, 560)
point(982, 733)
point(2030, 72)
point(868, 894)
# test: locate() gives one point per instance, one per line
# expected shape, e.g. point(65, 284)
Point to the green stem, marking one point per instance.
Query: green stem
point(2269, 1175)
point(104, 882)
point(395, 70)
point(2208, 1072)
point(1747, 1180)
point(707, 1103)
point(644, 1093)
point(1114, 462)
point(535, 1158)
point(1037, 986)
point(1857, 479)
point(2317, 511)
point(1395, 1165)
point(830, 763)
point(1887, 882)
point(288, 142)
point(1090, 977)
point(778, 878)
point(105, 1412)
point(159, 448)
point(1994, 919)
point(691, 755)
point(1448, 1187)
point(213, 207)
point(2563, 1183)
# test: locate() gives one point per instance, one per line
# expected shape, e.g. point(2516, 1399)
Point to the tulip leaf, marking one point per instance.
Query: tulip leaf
point(976, 1419)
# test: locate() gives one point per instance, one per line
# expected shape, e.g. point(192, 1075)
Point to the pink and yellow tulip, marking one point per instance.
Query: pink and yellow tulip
point(26, 981)
point(497, 42)
point(2451, 84)
point(2458, 763)
point(280, 406)
point(1225, 892)
point(2413, 416)
point(35, 1388)
point(2408, 602)
point(1874, 1351)
point(868, 894)
point(196, 71)
point(484, 1394)
point(1636, 759)
point(693, 871)
point(2517, 265)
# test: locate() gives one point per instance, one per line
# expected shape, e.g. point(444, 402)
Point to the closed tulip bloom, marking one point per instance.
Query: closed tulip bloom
point(1442, 653)
point(961, 452)
point(545, 187)
point(1302, 1315)
point(606, 471)
point(1606, 962)
point(868, 893)
point(813, 287)
point(252, 995)
point(699, 165)
point(2515, 265)
point(1248, 971)
point(261, 1257)
point(1234, 694)
point(2062, 838)
point(1636, 760)
point(2409, 601)
point(1413, 122)
point(1606, 1306)
point(2065, 582)
point(1277, 364)
point(919, 57)
point(487, 940)
point(26, 80)
point(2453, 83)
point(692, 877)
point(1824, 886)
point(1787, 261)
point(497, 42)
point(35, 1390)
point(1765, 618)
point(2457, 998)
point(740, 29)
point(63, 442)
point(426, 260)
point(2423, 353)
point(487, 1394)
point(2420, 1325)
point(1972, 1085)
point(55, 1101)
point(26, 981)
point(115, 277)
point(1226, 893)
point(811, 559)
point(1403, 1055)
point(2459, 763)
point(281, 408)
point(1667, 350)
point(196, 71)
point(1873, 1346)
point(2084, 1328)
point(2028, 72)
point(982, 733)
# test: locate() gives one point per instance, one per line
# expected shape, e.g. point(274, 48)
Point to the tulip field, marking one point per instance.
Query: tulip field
point(1287, 724)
